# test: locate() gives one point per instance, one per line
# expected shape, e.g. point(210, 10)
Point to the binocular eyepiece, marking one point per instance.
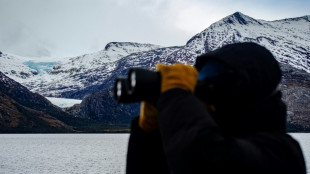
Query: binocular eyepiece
point(140, 85)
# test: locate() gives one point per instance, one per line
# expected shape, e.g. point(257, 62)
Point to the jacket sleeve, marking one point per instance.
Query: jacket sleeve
point(145, 152)
point(193, 142)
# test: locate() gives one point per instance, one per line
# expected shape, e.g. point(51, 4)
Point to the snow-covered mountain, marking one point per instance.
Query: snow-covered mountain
point(14, 66)
point(53, 77)
point(292, 53)
point(288, 40)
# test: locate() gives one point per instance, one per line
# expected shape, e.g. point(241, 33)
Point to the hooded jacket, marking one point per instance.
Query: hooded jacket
point(245, 136)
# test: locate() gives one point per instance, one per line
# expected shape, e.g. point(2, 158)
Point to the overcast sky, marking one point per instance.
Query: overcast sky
point(63, 28)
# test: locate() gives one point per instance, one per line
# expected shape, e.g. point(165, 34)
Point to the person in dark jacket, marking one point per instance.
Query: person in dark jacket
point(224, 115)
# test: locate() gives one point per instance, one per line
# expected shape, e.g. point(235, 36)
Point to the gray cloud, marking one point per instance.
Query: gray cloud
point(61, 28)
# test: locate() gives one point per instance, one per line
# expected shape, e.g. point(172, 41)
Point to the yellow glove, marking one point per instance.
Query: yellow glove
point(148, 120)
point(177, 76)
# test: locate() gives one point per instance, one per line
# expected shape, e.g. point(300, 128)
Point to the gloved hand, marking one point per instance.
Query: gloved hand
point(148, 120)
point(172, 76)
point(177, 76)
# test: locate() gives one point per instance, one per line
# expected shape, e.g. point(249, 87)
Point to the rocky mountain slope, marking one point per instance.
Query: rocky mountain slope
point(100, 105)
point(295, 87)
point(24, 111)
point(15, 117)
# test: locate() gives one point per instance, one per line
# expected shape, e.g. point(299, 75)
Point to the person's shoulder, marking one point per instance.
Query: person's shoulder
point(284, 148)
point(276, 140)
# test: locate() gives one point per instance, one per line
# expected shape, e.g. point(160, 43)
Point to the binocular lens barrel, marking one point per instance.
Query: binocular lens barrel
point(132, 81)
point(140, 85)
point(120, 90)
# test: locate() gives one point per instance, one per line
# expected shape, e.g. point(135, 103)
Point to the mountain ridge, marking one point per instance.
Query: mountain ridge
point(90, 76)
point(281, 37)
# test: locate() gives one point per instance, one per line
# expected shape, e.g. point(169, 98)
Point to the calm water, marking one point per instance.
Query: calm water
point(63, 153)
point(75, 153)
point(304, 141)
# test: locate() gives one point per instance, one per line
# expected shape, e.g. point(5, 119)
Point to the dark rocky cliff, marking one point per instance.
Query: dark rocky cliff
point(24, 111)
point(101, 106)
point(295, 87)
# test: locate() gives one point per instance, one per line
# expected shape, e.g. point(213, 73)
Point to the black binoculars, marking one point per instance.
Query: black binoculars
point(140, 85)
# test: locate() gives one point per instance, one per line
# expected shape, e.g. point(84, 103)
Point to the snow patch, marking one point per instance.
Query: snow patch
point(63, 102)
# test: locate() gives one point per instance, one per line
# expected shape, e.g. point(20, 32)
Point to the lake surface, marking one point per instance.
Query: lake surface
point(304, 141)
point(76, 153)
point(63, 153)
